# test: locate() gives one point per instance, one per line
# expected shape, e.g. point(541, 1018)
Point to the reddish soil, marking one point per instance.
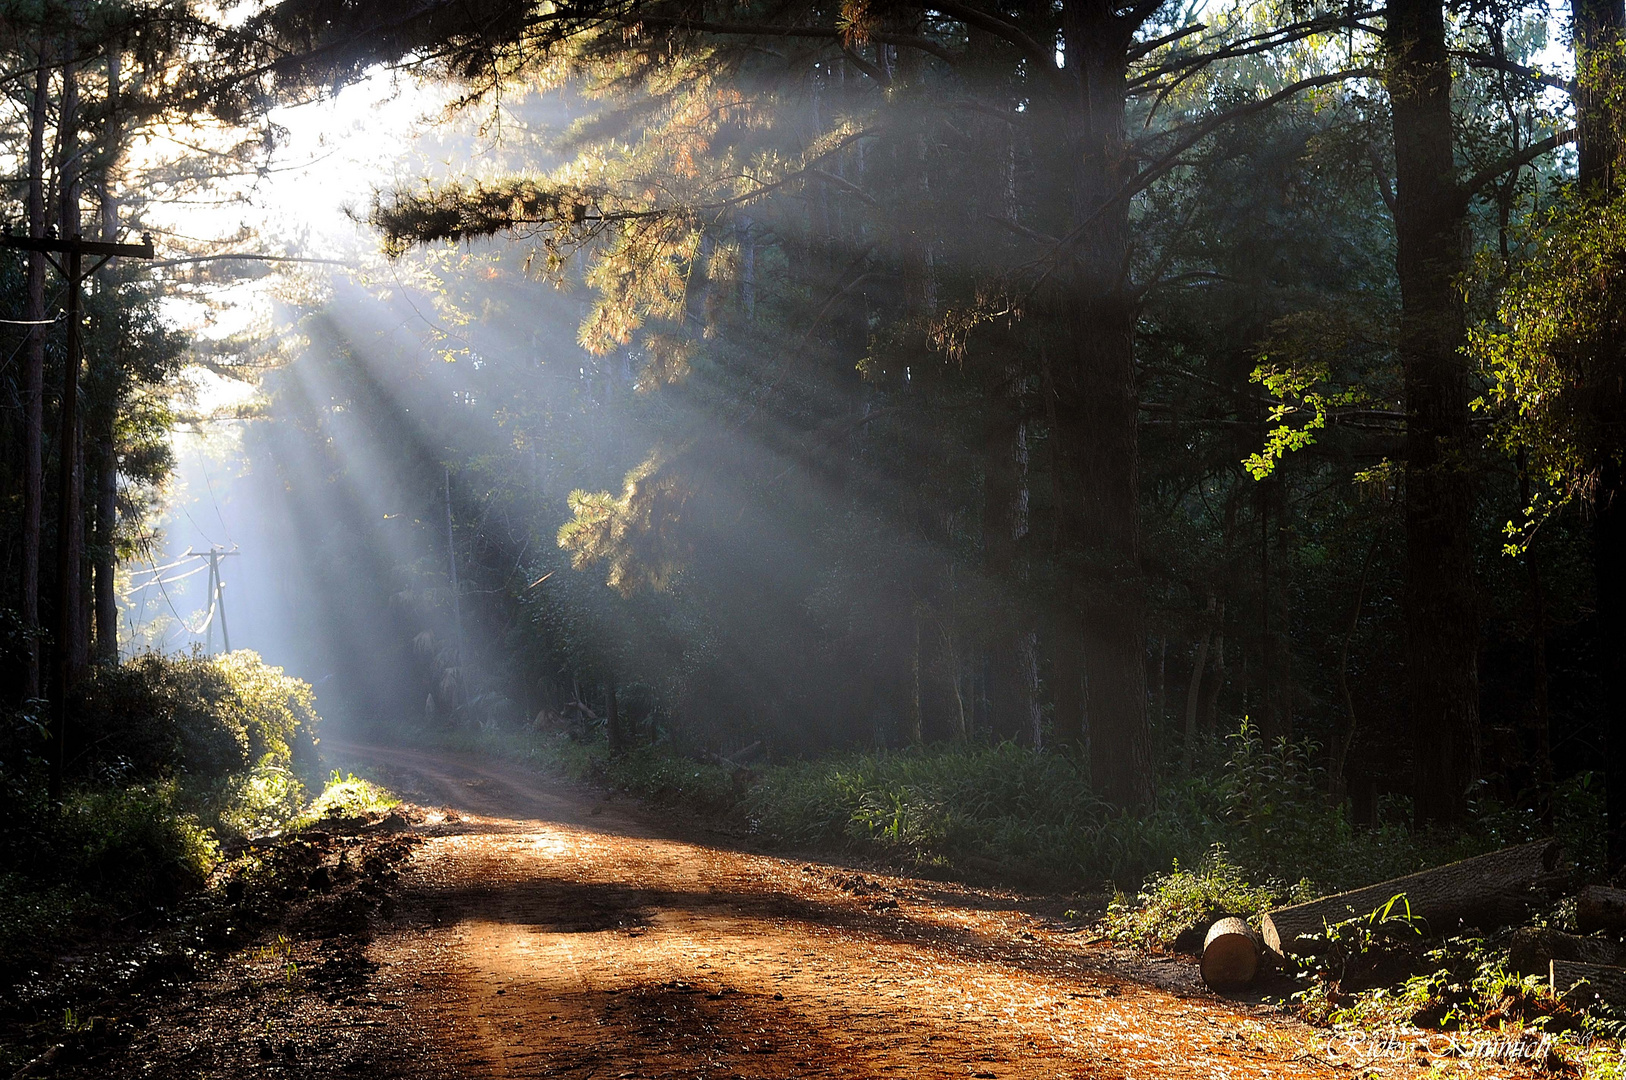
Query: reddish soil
point(539, 931)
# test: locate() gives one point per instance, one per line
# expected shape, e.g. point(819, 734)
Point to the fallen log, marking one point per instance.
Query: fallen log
point(1484, 890)
point(1600, 908)
point(1587, 984)
point(1230, 954)
point(1533, 949)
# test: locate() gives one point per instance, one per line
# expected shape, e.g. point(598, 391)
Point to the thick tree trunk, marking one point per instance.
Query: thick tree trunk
point(1585, 985)
point(1597, 26)
point(1014, 698)
point(1484, 889)
point(1230, 954)
point(1442, 621)
point(33, 381)
point(105, 561)
point(1532, 950)
point(1097, 404)
point(1600, 908)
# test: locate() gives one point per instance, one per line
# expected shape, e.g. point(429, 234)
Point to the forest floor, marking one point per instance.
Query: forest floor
point(539, 929)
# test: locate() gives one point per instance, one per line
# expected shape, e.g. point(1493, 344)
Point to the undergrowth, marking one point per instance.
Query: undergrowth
point(1004, 809)
point(174, 755)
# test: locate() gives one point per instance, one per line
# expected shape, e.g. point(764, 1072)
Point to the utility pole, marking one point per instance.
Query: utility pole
point(217, 594)
point(67, 576)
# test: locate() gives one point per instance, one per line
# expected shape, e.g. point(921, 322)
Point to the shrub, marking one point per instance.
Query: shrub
point(104, 853)
point(347, 796)
point(230, 730)
point(131, 844)
point(1172, 905)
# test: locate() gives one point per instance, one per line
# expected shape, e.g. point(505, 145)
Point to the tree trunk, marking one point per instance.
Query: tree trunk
point(107, 508)
point(1230, 954)
point(1609, 575)
point(1486, 888)
point(71, 529)
point(1194, 688)
point(1214, 679)
point(33, 380)
point(1598, 26)
point(1583, 985)
point(1600, 908)
point(1532, 950)
point(612, 721)
point(1442, 621)
point(1097, 406)
point(106, 511)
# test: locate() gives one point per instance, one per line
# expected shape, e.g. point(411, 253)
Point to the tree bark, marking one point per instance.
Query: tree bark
point(1597, 27)
point(1194, 688)
point(105, 562)
point(612, 722)
point(1600, 908)
point(1582, 985)
point(1097, 406)
point(1230, 954)
point(1533, 949)
point(1442, 621)
point(33, 380)
point(1495, 886)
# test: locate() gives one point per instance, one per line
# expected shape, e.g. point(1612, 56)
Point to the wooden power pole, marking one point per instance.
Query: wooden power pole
point(65, 624)
point(217, 594)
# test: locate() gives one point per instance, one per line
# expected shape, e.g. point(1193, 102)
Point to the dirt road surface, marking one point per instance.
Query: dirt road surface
point(540, 932)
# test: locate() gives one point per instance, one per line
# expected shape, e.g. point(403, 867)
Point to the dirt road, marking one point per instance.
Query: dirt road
point(552, 936)
point(537, 931)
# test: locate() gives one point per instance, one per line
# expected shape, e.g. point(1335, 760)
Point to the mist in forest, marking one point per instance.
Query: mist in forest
point(854, 382)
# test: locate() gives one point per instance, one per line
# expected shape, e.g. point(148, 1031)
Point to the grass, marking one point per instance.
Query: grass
point(1004, 809)
point(346, 795)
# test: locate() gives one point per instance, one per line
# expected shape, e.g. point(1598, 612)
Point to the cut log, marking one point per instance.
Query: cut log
point(1587, 984)
point(1485, 890)
point(1533, 949)
point(1600, 908)
point(1230, 954)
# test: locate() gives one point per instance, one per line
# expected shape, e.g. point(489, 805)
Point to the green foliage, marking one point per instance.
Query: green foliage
point(637, 535)
point(1459, 984)
point(1346, 947)
point(1556, 349)
point(347, 795)
point(179, 750)
point(109, 852)
point(1299, 392)
point(262, 800)
point(1180, 901)
point(231, 731)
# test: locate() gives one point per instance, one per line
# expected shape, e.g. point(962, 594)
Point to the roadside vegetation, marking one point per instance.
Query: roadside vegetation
point(174, 762)
point(1247, 811)
point(1249, 827)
